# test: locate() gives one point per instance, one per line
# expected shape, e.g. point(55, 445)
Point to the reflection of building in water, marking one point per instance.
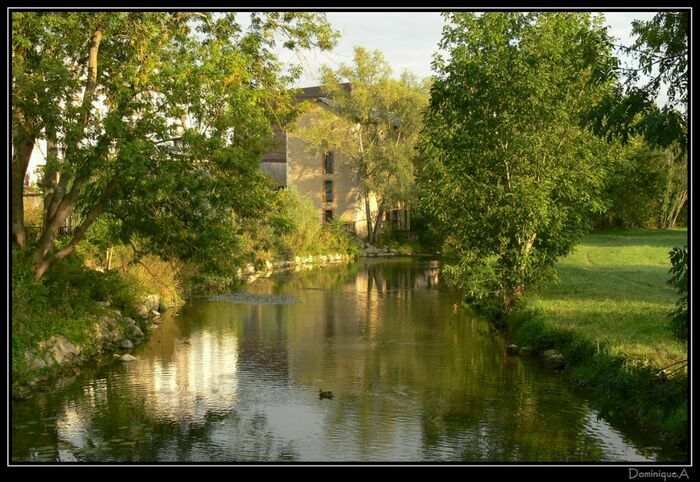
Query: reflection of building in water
point(201, 376)
point(379, 280)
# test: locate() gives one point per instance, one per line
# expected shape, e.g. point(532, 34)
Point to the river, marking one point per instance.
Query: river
point(414, 377)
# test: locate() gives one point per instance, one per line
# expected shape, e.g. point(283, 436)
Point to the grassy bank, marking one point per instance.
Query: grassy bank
point(80, 306)
point(608, 315)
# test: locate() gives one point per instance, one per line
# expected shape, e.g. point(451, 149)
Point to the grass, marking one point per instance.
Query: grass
point(609, 317)
point(62, 303)
point(613, 293)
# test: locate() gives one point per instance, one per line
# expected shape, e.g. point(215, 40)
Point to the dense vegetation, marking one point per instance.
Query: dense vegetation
point(510, 173)
point(164, 133)
point(529, 136)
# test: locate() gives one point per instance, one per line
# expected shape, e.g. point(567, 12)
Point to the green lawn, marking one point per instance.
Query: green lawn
point(613, 291)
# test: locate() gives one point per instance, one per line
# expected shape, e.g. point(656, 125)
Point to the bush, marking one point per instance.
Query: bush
point(679, 280)
point(61, 303)
point(300, 231)
point(405, 242)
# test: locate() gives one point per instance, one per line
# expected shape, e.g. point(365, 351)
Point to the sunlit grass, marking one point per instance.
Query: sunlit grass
point(613, 291)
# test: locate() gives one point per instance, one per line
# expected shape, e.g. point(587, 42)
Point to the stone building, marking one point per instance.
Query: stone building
point(327, 178)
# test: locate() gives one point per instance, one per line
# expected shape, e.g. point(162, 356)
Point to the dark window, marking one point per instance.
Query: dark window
point(328, 215)
point(329, 191)
point(328, 163)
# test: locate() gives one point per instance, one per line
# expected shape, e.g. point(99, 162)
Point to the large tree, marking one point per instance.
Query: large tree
point(158, 119)
point(510, 173)
point(374, 119)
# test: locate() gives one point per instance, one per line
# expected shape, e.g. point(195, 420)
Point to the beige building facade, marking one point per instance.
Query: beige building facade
point(327, 178)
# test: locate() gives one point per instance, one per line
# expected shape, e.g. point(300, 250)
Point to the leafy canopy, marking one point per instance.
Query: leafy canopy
point(509, 172)
point(159, 120)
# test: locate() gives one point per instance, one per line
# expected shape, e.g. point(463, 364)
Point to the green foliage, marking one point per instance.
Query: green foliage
point(405, 242)
point(75, 285)
point(301, 225)
point(662, 46)
point(510, 175)
point(635, 183)
point(679, 280)
point(300, 231)
point(172, 150)
point(661, 52)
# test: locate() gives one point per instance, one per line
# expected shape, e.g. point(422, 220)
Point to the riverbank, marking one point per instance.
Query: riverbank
point(238, 378)
point(608, 319)
point(77, 315)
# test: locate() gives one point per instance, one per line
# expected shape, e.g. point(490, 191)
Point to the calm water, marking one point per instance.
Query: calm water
point(415, 378)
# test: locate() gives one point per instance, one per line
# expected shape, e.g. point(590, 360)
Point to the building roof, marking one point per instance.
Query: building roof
point(314, 92)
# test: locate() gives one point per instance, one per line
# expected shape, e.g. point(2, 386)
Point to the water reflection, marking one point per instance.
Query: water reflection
point(414, 377)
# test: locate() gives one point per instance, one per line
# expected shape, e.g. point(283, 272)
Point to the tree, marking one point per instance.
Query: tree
point(509, 173)
point(632, 110)
point(646, 186)
point(661, 52)
point(375, 120)
point(156, 118)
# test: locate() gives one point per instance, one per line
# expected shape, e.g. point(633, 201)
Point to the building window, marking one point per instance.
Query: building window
point(328, 215)
point(328, 187)
point(328, 163)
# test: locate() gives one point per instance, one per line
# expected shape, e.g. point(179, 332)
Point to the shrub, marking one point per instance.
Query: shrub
point(405, 242)
point(679, 280)
point(301, 232)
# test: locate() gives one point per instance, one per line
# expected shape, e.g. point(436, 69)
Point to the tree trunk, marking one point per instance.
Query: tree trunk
point(50, 181)
point(378, 224)
point(110, 251)
point(20, 162)
point(42, 262)
point(61, 205)
point(368, 216)
point(512, 293)
point(514, 282)
point(406, 217)
point(678, 207)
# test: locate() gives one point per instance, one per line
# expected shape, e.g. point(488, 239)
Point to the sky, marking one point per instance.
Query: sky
point(408, 41)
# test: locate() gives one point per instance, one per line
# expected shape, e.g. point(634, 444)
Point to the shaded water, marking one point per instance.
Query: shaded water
point(414, 378)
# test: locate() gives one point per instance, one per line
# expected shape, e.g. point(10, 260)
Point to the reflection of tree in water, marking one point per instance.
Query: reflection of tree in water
point(400, 277)
point(413, 378)
point(123, 429)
